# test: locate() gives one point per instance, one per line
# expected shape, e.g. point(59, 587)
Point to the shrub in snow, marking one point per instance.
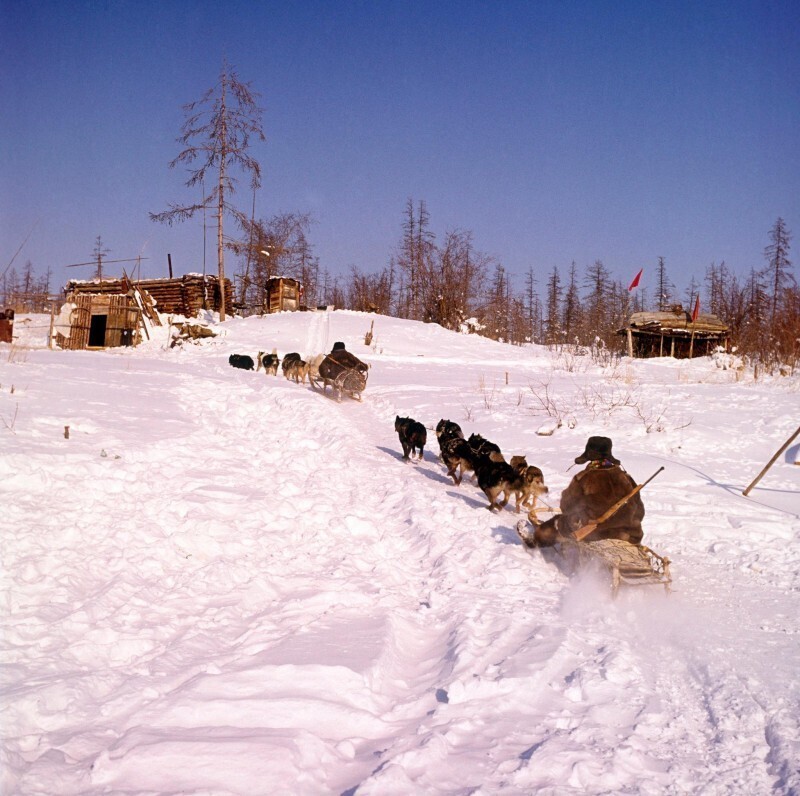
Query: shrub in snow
point(727, 361)
point(470, 326)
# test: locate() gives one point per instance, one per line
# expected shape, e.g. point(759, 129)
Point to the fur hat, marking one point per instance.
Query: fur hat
point(597, 449)
point(338, 347)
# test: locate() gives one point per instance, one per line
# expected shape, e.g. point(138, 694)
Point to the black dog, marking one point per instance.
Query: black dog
point(458, 457)
point(462, 456)
point(241, 361)
point(482, 447)
point(445, 430)
point(496, 478)
point(412, 435)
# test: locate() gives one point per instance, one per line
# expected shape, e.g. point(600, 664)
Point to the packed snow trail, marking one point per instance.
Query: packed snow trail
point(225, 582)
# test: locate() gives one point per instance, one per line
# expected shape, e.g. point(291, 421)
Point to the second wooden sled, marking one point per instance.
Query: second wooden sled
point(344, 372)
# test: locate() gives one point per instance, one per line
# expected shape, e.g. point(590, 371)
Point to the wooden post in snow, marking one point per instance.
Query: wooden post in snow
point(630, 342)
point(52, 324)
point(772, 461)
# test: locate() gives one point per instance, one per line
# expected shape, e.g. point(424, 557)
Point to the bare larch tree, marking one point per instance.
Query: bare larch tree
point(665, 287)
point(778, 270)
point(216, 137)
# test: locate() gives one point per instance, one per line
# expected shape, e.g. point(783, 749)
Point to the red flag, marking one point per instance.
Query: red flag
point(696, 310)
point(636, 279)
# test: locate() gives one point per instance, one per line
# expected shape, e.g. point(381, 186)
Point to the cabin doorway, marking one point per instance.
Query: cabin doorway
point(97, 331)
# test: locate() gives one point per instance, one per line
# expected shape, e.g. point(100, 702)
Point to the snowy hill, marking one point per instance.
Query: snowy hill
point(223, 582)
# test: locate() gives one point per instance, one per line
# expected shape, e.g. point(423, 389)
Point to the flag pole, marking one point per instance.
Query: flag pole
point(634, 283)
point(695, 313)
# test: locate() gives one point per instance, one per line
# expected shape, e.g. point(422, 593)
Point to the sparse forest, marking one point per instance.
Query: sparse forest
point(24, 290)
point(452, 283)
point(449, 281)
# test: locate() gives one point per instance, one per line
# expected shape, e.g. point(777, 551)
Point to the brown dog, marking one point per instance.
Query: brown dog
point(531, 487)
point(297, 370)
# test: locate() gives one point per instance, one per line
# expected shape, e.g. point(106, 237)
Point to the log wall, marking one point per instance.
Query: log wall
point(187, 295)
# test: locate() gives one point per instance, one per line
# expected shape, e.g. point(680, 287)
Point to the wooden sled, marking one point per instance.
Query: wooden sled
point(627, 564)
point(344, 372)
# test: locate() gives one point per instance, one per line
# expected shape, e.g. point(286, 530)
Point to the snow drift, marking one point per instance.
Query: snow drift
point(224, 582)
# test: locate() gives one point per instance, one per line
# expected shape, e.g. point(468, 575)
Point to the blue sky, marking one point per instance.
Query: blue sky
point(559, 131)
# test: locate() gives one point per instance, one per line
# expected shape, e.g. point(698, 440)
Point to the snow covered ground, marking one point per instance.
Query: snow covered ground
point(225, 583)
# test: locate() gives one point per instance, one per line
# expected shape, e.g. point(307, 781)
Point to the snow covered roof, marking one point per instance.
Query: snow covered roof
point(674, 322)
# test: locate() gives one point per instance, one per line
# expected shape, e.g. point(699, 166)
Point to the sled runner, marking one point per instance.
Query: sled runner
point(344, 372)
point(626, 564)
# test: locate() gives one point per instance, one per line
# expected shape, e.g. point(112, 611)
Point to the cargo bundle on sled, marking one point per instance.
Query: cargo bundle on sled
point(344, 372)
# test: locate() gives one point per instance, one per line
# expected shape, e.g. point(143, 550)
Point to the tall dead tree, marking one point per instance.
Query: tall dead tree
point(217, 135)
point(414, 258)
point(572, 306)
point(664, 287)
point(597, 310)
point(531, 301)
point(552, 323)
point(778, 270)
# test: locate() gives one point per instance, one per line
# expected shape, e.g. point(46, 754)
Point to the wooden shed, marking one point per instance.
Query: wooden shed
point(186, 295)
point(91, 320)
point(283, 294)
point(673, 333)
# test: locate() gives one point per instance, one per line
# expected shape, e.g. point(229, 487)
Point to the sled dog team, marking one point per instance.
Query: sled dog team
point(292, 365)
point(295, 368)
point(602, 484)
point(495, 476)
point(589, 496)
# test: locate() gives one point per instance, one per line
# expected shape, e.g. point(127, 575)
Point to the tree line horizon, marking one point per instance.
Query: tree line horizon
point(445, 280)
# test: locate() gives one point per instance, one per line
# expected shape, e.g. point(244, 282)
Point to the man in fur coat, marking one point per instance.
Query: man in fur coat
point(589, 495)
